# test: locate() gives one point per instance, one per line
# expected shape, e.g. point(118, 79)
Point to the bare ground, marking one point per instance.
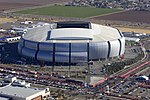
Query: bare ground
point(131, 16)
point(13, 4)
point(136, 30)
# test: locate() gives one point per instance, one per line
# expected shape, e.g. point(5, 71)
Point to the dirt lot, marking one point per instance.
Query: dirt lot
point(132, 16)
point(5, 20)
point(6, 6)
point(9, 4)
point(123, 29)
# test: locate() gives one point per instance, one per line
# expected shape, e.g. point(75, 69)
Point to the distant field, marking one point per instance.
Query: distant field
point(131, 16)
point(16, 4)
point(35, 2)
point(68, 11)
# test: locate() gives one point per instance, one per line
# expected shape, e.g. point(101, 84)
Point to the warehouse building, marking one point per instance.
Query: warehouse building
point(13, 89)
point(22, 93)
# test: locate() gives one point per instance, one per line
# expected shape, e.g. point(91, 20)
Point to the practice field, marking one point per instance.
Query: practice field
point(68, 11)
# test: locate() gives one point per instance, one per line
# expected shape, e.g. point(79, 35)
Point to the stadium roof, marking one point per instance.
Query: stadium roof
point(71, 33)
point(95, 32)
point(74, 24)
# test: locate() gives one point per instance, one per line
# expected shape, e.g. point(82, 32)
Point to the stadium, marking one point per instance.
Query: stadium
point(71, 42)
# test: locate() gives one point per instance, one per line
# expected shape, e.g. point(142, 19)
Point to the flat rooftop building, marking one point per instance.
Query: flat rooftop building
point(22, 93)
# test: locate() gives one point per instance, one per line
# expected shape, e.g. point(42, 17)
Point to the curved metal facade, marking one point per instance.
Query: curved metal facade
point(72, 42)
point(122, 45)
point(98, 50)
point(71, 52)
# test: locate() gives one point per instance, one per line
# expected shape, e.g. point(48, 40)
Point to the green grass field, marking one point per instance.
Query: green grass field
point(68, 11)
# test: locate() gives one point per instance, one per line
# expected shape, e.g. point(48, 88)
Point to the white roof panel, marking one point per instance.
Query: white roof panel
point(71, 33)
point(95, 33)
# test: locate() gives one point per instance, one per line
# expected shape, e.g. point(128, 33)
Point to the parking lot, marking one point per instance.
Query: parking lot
point(72, 82)
point(10, 56)
point(132, 52)
point(143, 93)
point(132, 88)
point(125, 87)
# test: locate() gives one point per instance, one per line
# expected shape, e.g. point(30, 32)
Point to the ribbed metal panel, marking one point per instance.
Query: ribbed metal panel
point(62, 47)
point(31, 44)
point(115, 47)
point(78, 57)
point(46, 46)
point(45, 55)
point(79, 47)
point(28, 52)
point(98, 50)
point(62, 57)
point(122, 45)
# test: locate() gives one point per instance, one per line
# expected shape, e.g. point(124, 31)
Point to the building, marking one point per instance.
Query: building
point(8, 39)
point(13, 89)
point(22, 93)
point(27, 22)
point(132, 39)
point(72, 42)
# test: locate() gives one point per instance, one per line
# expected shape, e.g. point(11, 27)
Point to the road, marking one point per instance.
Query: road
point(125, 73)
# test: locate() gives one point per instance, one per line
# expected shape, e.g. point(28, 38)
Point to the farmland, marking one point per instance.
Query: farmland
point(68, 11)
point(7, 6)
point(131, 16)
point(16, 4)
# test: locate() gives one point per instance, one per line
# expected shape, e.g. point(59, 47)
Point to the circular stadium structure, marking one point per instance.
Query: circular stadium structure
point(71, 42)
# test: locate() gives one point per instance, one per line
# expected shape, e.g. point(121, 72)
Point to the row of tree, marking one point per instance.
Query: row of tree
point(116, 66)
